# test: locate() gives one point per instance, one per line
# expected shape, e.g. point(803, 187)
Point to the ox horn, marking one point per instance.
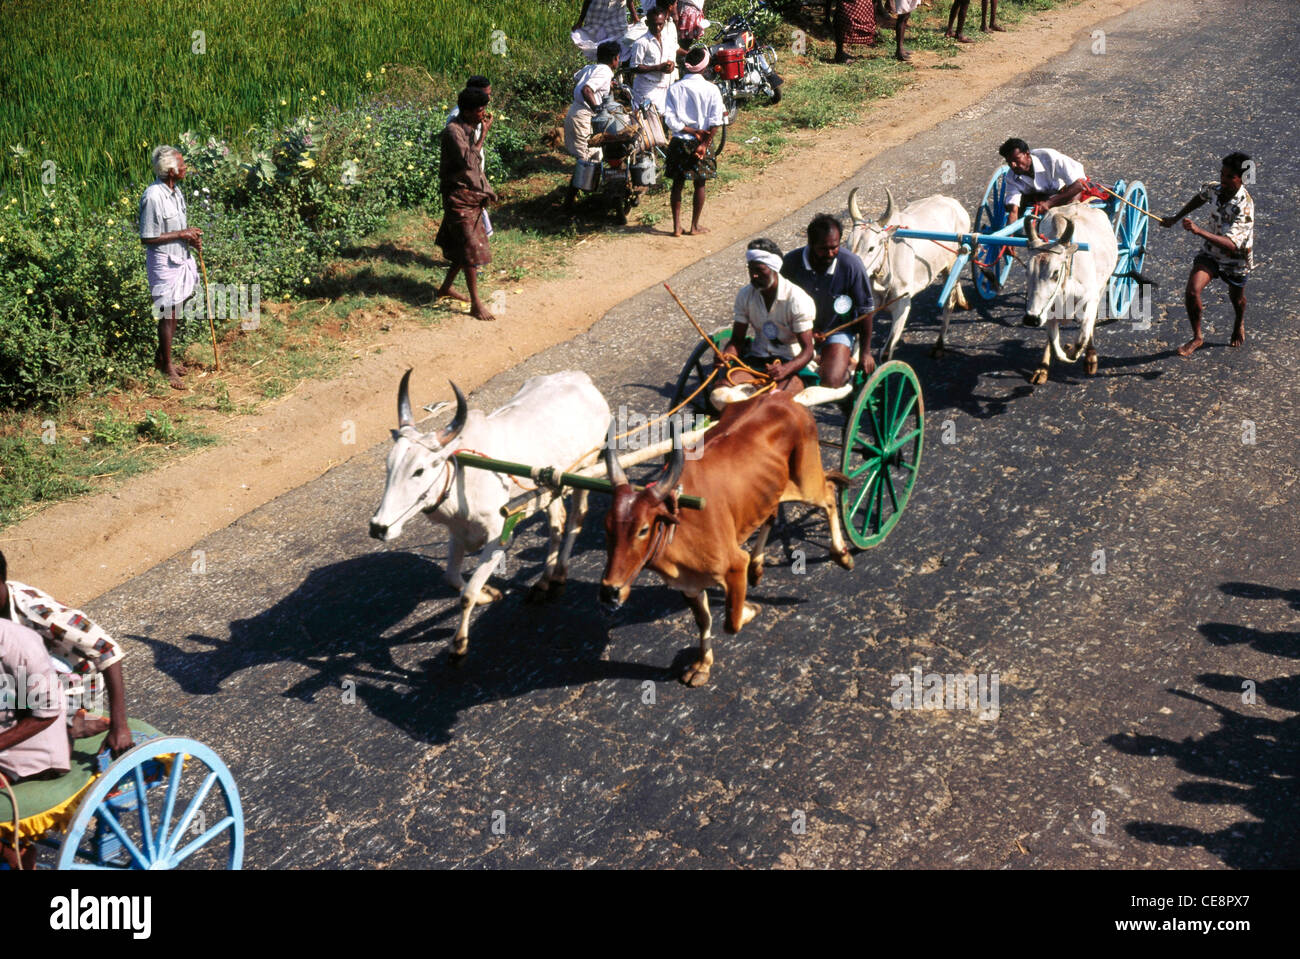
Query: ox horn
point(889, 207)
point(404, 401)
point(1031, 231)
point(1068, 233)
point(612, 466)
point(457, 424)
point(667, 480)
point(855, 211)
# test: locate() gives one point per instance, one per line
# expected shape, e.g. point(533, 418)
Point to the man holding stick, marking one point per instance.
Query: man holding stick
point(167, 236)
point(1228, 253)
point(837, 281)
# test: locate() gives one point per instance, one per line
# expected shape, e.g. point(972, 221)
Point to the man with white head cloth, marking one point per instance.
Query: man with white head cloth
point(782, 317)
point(167, 237)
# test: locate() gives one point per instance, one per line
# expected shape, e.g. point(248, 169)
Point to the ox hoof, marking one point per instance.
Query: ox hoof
point(459, 650)
point(1090, 363)
point(845, 559)
point(697, 673)
point(545, 592)
point(488, 594)
point(937, 351)
point(749, 613)
point(755, 570)
point(1039, 377)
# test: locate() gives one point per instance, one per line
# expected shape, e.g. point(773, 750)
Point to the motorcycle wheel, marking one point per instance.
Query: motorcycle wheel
point(774, 85)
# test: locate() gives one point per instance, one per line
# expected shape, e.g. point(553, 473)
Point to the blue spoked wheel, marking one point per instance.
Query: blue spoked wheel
point(882, 453)
point(167, 803)
point(1131, 235)
point(989, 218)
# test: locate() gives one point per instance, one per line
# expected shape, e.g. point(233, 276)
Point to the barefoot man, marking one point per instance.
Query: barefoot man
point(1228, 252)
point(693, 112)
point(464, 233)
point(167, 237)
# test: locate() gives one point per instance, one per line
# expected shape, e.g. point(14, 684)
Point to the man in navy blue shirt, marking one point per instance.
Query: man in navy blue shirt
point(837, 281)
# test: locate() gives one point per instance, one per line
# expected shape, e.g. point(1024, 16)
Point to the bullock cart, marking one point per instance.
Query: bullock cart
point(880, 437)
point(990, 248)
point(168, 802)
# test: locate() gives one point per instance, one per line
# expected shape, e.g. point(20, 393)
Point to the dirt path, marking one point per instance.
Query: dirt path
point(121, 534)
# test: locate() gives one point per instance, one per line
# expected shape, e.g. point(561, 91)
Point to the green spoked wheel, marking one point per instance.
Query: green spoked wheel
point(696, 371)
point(989, 218)
point(1131, 236)
point(882, 453)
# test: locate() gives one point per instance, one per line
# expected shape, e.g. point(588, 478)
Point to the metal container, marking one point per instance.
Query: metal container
point(587, 175)
point(643, 171)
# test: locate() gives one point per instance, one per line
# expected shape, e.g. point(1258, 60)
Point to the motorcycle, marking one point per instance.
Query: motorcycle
point(631, 140)
point(742, 68)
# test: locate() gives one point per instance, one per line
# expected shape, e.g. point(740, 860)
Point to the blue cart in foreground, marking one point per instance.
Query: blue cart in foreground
point(166, 803)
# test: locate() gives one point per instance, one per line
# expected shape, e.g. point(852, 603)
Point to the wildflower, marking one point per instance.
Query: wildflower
point(367, 74)
point(306, 163)
point(29, 291)
point(284, 103)
point(110, 262)
point(117, 306)
point(383, 69)
point(110, 221)
point(305, 281)
point(56, 221)
point(322, 93)
point(313, 100)
point(407, 143)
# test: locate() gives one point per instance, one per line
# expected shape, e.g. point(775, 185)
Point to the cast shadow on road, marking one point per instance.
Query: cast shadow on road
point(1256, 759)
point(349, 621)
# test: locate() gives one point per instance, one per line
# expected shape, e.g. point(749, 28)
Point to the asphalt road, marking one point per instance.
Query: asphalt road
point(1123, 736)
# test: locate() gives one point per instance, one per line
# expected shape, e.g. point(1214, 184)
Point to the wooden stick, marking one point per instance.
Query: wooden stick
point(760, 374)
point(1154, 216)
point(207, 298)
point(844, 326)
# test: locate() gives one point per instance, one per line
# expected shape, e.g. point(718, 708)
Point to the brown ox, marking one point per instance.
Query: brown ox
point(762, 453)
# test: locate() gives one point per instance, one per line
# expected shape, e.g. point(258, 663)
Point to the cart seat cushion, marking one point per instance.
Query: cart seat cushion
point(50, 804)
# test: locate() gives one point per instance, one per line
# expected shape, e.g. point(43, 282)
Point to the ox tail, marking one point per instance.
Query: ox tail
point(838, 478)
point(1063, 355)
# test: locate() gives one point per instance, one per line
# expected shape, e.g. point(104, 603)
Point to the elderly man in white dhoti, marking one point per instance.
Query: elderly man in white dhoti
point(167, 236)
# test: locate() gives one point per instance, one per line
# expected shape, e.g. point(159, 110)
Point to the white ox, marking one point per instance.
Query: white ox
point(1065, 282)
point(552, 421)
point(899, 271)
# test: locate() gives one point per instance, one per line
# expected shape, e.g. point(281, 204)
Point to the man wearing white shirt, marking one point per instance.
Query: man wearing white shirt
point(592, 86)
point(1042, 179)
point(693, 111)
point(781, 315)
point(654, 59)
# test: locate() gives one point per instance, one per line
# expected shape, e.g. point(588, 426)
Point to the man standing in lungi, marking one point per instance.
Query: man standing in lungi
point(694, 112)
point(464, 233)
point(169, 268)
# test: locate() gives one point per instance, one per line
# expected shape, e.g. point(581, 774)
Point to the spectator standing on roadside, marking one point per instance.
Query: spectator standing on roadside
point(167, 236)
point(463, 235)
point(694, 113)
point(957, 21)
point(654, 59)
point(990, 7)
point(606, 19)
point(902, 13)
point(855, 24)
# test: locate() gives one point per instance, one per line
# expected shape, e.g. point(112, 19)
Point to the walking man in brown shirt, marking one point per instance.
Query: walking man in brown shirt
point(466, 193)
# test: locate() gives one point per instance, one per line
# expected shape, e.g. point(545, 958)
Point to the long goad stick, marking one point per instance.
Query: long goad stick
point(1154, 216)
point(207, 302)
point(708, 339)
point(844, 326)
